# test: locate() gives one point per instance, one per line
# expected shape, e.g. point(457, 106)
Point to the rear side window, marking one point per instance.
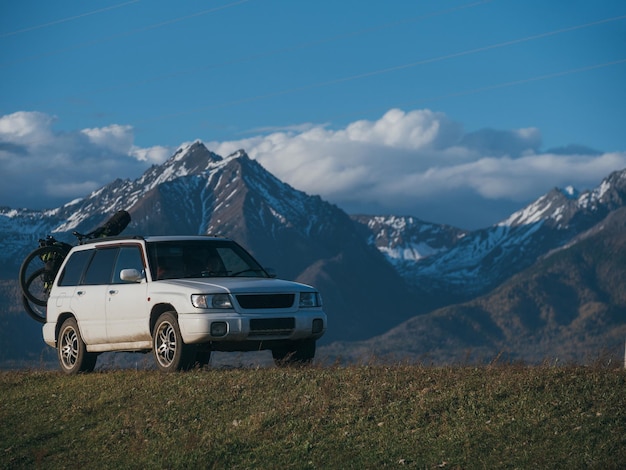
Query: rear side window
point(74, 268)
point(101, 267)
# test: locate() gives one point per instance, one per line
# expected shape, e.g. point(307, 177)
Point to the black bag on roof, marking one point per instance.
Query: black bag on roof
point(114, 226)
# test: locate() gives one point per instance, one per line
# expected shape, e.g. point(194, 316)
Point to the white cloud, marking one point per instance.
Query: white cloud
point(418, 162)
point(67, 190)
point(397, 129)
point(408, 162)
point(45, 168)
point(116, 138)
point(25, 125)
point(153, 155)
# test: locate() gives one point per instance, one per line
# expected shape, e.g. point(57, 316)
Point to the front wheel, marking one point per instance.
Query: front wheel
point(170, 352)
point(72, 352)
point(294, 353)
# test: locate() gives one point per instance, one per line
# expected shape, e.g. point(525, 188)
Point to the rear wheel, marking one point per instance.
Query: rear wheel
point(295, 353)
point(170, 352)
point(72, 352)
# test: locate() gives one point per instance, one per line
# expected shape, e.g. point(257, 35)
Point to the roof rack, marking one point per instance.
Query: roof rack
point(91, 241)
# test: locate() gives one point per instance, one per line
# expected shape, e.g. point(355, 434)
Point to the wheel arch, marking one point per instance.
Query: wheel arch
point(60, 320)
point(157, 311)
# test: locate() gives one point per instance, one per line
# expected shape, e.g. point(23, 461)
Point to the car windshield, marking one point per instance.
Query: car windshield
point(176, 259)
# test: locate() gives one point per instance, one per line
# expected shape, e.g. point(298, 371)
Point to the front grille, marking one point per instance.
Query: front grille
point(272, 326)
point(258, 301)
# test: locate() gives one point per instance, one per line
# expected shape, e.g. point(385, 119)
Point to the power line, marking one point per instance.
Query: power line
point(65, 20)
point(437, 98)
point(472, 51)
point(126, 33)
point(392, 69)
point(397, 67)
point(488, 87)
point(296, 47)
point(374, 28)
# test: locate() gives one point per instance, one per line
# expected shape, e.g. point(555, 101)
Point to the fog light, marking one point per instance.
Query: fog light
point(318, 325)
point(219, 328)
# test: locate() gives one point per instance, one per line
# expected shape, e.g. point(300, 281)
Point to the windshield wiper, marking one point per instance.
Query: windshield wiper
point(246, 271)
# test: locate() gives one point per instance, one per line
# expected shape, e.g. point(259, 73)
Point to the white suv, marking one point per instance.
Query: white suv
point(179, 297)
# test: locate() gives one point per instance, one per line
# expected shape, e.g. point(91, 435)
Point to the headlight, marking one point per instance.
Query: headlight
point(211, 301)
point(310, 299)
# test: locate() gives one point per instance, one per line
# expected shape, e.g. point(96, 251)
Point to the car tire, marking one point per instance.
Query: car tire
point(170, 352)
point(71, 350)
point(294, 353)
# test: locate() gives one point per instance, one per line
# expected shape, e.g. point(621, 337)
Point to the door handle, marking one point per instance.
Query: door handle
point(112, 292)
point(80, 292)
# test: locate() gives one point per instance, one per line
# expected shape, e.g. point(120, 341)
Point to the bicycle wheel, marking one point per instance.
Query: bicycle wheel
point(38, 271)
point(36, 312)
point(35, 287)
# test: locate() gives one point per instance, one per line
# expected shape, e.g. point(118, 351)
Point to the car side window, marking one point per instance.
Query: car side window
point(100, 269)
point(129, 258)
point(74, 268)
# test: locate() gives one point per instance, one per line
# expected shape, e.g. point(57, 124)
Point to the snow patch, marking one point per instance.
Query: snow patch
point(529, 215)
point(570, 192)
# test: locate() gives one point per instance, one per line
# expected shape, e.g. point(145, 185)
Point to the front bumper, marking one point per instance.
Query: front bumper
point(200, 327)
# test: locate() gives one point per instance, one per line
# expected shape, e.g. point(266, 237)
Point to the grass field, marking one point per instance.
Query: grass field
point(401, 416)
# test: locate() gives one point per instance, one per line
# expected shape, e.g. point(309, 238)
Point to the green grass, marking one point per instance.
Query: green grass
point(402, 416)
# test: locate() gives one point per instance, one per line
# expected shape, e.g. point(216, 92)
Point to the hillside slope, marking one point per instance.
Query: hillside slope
point(569, 306)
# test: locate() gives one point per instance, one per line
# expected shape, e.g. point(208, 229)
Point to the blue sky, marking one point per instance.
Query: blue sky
point(452, 111)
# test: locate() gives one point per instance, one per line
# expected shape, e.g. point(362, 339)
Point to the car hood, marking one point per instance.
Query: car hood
point(237, 285)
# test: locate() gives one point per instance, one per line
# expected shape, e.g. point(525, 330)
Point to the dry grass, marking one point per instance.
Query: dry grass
point(318, 417)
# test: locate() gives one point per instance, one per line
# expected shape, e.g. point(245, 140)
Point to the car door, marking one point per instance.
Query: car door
point(61, 297)
point(89, 299)
point(127, 307)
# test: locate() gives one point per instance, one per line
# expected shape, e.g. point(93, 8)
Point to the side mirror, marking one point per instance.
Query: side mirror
point(271, 272)
point(131, 275)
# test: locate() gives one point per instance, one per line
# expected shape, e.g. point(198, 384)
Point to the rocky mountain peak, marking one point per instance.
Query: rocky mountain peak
point(194, 157)
point(611, 193)
point(560, 207)
point(189, 159)
point(407, 238)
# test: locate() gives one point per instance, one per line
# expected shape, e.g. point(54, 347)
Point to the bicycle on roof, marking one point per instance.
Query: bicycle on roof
point(40, 267)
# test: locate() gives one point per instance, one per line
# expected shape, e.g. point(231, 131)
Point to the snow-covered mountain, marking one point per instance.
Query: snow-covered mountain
point(568, 307)
point(408, 238)
point(444, 259)
point(198, 192)
point(374, 272)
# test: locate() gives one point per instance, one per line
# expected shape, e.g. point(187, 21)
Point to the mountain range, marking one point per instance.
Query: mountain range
point(569, 306)
point(418, 288)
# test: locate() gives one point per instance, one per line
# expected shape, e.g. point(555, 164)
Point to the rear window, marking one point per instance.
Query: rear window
point(74, 268)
